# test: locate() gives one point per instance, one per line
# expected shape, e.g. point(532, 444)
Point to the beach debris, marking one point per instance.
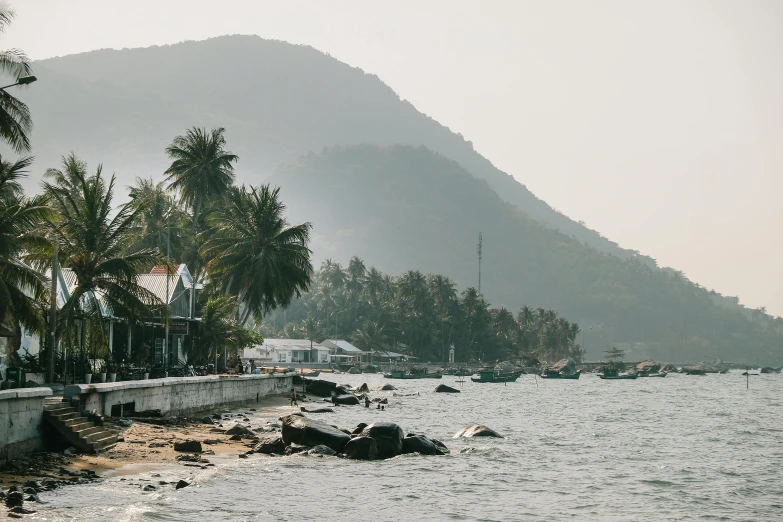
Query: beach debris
point(477, 430)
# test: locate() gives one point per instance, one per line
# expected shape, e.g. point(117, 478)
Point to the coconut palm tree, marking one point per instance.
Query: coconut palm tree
point(219, 330)
point(21, 287)
point(160, 223)
point(15, 120)
point(370, 336)
point(201, 170)
point(94, 241)
point(255, 254)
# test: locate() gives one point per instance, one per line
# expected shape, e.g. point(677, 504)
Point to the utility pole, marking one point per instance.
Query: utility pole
point(53, 314)
point(480, 243)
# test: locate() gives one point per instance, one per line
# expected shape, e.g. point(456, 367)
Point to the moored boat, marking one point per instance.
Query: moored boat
point(611, 371)
point(549, 373)
point(492, 375)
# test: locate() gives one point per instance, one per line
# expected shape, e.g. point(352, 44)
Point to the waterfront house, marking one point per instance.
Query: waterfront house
point(343, 352)
point(286, 351)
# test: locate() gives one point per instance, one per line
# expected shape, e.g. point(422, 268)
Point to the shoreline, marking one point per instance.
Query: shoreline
point(148, 445)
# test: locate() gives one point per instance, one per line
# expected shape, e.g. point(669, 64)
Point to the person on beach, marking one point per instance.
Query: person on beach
point(293, 397)
point(252, 366)
point(366, 402)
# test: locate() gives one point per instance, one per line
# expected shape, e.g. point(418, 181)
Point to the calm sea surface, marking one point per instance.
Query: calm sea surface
point(679, 448)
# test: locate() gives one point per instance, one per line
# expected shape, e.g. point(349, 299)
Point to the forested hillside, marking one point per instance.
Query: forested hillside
point(277, 101)
point(403, 207)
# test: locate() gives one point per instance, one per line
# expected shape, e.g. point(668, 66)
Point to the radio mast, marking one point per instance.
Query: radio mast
point(481, 240)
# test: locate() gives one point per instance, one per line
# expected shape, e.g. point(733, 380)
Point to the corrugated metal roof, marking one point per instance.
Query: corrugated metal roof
point(343, 345)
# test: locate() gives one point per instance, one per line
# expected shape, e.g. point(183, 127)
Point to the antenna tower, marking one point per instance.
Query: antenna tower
point(481, 241)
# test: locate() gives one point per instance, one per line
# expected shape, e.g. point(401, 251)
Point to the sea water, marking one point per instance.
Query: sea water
point(677, 448)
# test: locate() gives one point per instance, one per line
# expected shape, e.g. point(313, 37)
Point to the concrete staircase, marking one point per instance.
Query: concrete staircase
point(76, 427)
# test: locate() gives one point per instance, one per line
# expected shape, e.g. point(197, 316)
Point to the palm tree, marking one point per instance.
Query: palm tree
point(94, 241)
point(370, 336)
point(254, 254)
point(15, 120)
point(21, 287)
point(310, 328)
point(201, 170)
point(219, 330)
point(160, 223)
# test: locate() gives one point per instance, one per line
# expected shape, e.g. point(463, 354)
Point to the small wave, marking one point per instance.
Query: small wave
point(660, 483)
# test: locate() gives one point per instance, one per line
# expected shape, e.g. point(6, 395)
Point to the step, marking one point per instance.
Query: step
point(65, 415)
point(83, 432)
point(56, 406)
point(80, 425)
point(98, 435)
point(102, 443)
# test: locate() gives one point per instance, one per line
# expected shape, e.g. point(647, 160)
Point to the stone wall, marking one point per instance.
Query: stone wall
point(179, 395)
point(21, 418)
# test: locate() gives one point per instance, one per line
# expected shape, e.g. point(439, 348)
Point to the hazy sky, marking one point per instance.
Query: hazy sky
point(659, 124)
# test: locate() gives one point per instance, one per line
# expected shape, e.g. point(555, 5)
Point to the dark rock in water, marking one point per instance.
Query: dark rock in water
point(341, 390)
point(189, 446)
point(442, 388)
point(319, 387)
point(363, 388)
point(477, 430)
point(388, 437)
point(33, 498)
point(242, 431)
point(149, 487)
point(348, 400)
point(318, 410)
point(358, 429)
point(292, 449)
point(182, 484)
point(362, 448)
point(768, 369)
point(566, 366)
point(19, 510)
point(14, 499)
point(440, 448)
point(418, 444)
point(309, 432)
point(270, 445)
point(387, 387)
point(217, 416)
point(207, 420)
point(322, 450)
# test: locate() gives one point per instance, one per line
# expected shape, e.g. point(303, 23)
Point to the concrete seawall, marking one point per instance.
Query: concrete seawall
point(21, 419)
point(177, 395)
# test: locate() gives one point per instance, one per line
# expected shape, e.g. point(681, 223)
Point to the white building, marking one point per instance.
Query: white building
point(344, 352)
point(283, 351)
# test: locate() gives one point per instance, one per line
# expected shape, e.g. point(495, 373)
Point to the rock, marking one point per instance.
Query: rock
point(363, 388)
point(190, 458)
point(566, 366)
point(125, 423)
point(769, 369)
point(189, 446)
point(235, 437)
point(320, 387)
point(321, 450)
point(270, 445)
point(477, 430)
point(378, 400)
point(440, 448)
point(418, 444)
point(158, 444)
point(648, 366)
point(309, 432)
point(207, 420)
point(149, 487)
point(182, 484)
point(362, 448)
point(33, 498)
point(341, 390)
point(19, 510)
point(242, 431)
point(387, 387)
point(318, 410)
point(293, 449)
point(388, 437)
point(14, 499)
point(69, 451)
point(358, 429)
point(217, 416)
point(442, 388)
point(345, 399)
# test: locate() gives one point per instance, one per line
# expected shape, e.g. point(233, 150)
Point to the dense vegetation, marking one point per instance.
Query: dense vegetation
point(419, 315)
point(405, 207)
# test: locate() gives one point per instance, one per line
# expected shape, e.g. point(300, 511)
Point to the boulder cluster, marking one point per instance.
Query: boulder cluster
point(16, 497)
point(381, 440)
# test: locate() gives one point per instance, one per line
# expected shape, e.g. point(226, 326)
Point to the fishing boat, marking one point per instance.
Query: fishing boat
point(310, 373)
point(401, 374)
point(611, 371)
point(492, 375)
point(648, 374)
point(553, 374)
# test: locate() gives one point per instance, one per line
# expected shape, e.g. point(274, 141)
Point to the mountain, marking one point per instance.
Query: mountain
point(416, 198)
point(402, 207)
point(276, 100)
